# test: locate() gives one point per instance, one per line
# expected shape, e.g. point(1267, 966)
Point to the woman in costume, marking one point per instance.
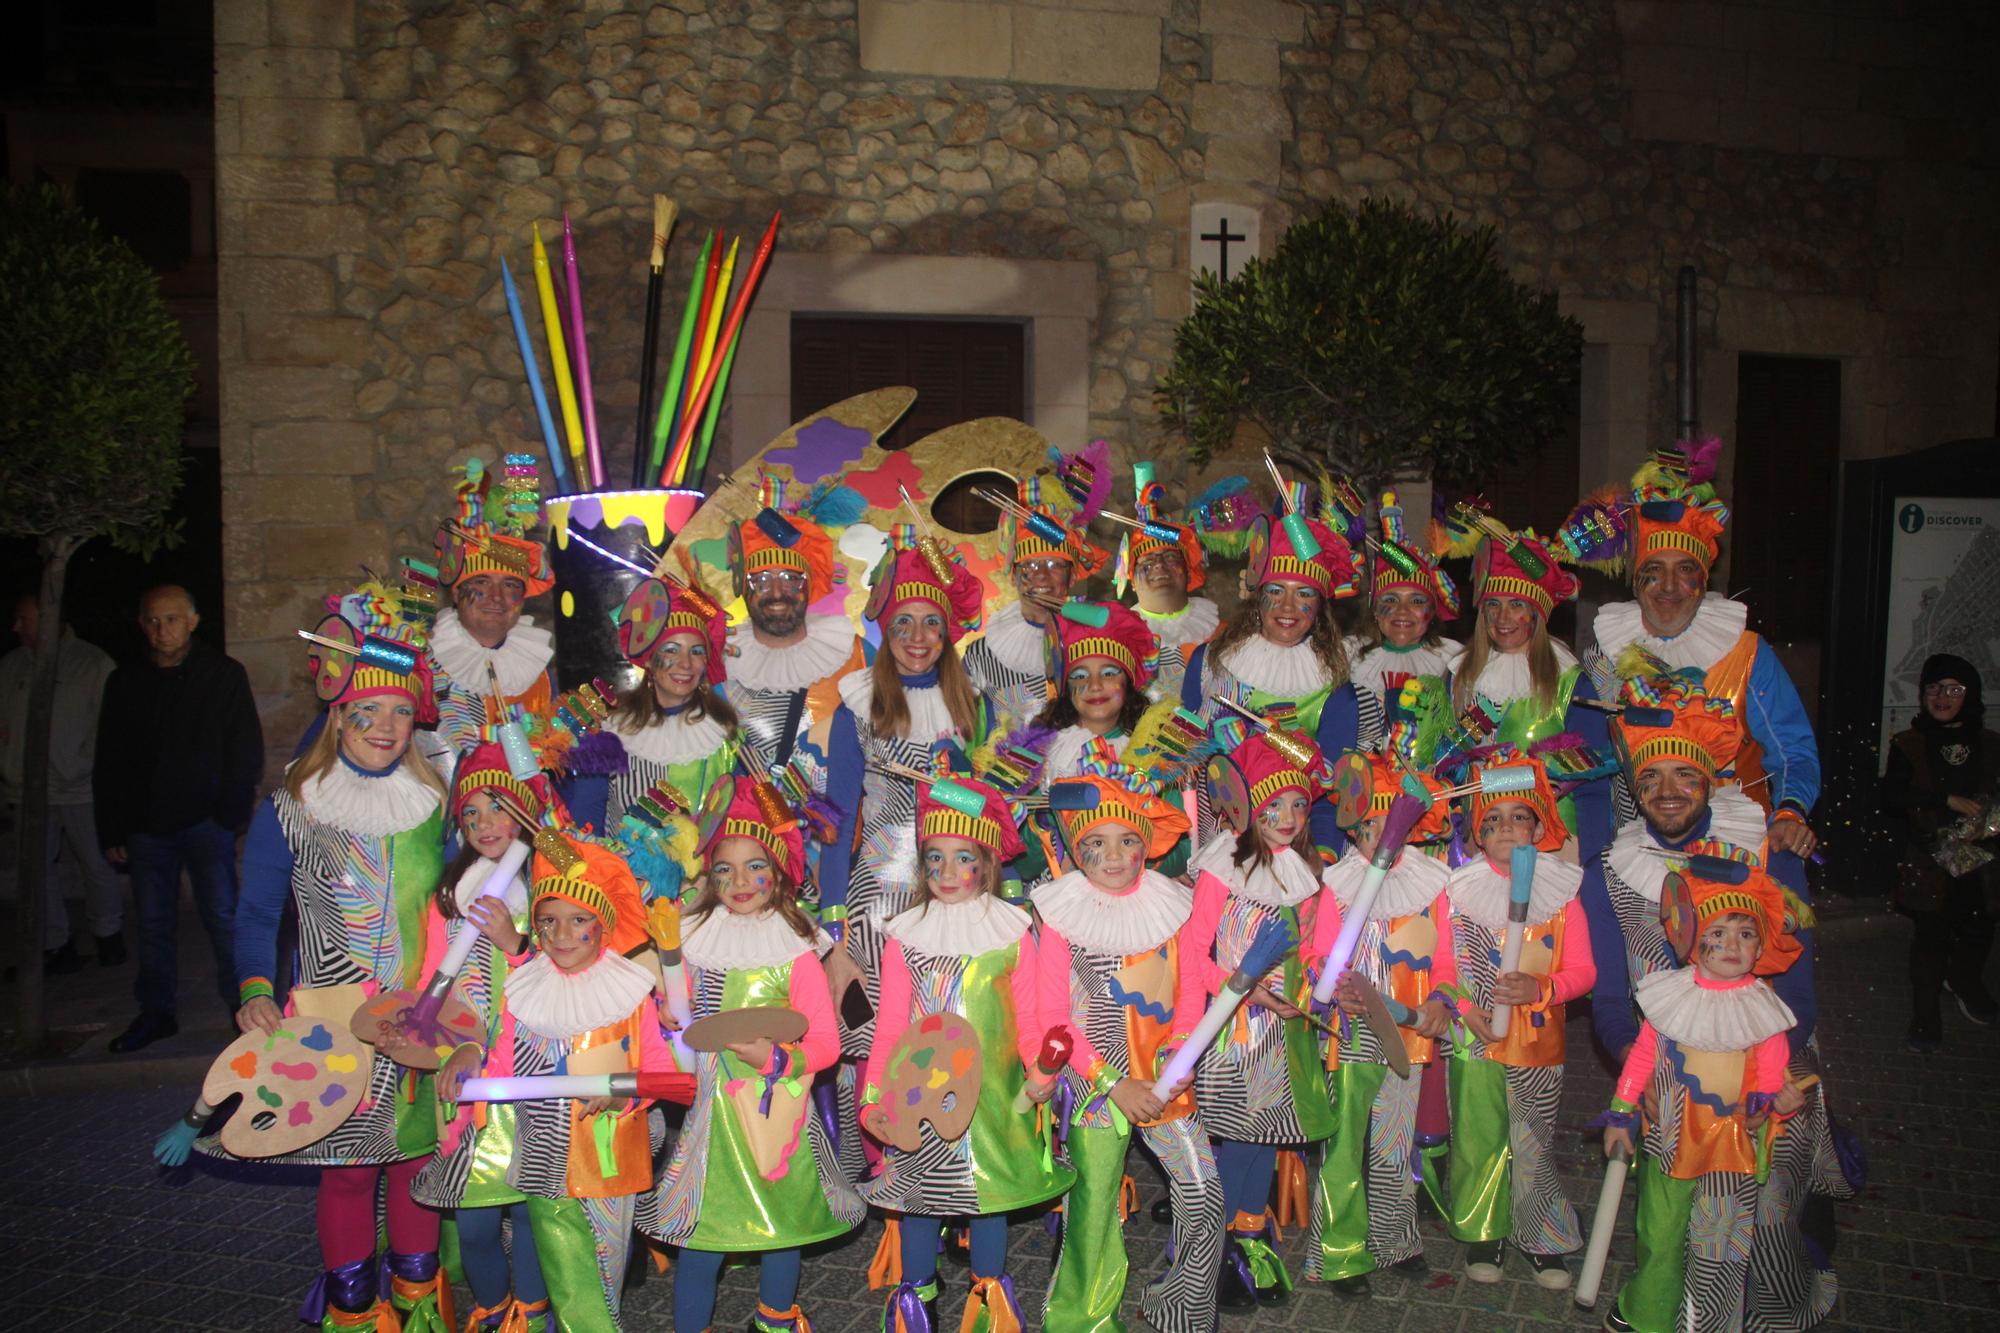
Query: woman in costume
point(1281, 655)
point(1165, 566)
point(1113, 934)
point(580, 1006)
point(1410, 595)
point(1505, 1092)
point(1364, 1214)
point(1260, 1090)
point(960, 950)
point(753, 1168)
point(469, 1180)
point(354, 838)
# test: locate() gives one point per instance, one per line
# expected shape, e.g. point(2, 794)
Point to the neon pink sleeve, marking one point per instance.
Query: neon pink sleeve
point(656, 1053)
point(1197, 937)
point(892, 1015)
point(437, 937)
point(1444, 958)
point(1576, 970)
point(1052, 956)
point(1638, 1070)
point(1325, 930)
point(1191, 984)
point(1024, 983)
point(820, 1047)
point(1767, 1064)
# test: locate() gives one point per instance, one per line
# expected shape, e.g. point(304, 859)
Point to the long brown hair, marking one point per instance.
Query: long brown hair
point(1061, 711)
point(445, 896)
point(989, 866)
point(889, 711)
point(1544, 671)
point(1371, 628)
point(784, 900)
point(1250, 848)
point(1246, 622)
point(639, 709)
point(324, 753)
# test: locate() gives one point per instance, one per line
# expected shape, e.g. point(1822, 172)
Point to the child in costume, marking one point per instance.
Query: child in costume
point(753, 1169)
point(354, 838)
point(1114, 934)
point(1364, 1213)
point(1505, 1092)
point(1409, 595)
point(1712, 1054)
point(1102, 694)
point(580, 1006)
point(960, 950)
point(471, 1185)
point(1259, 1088)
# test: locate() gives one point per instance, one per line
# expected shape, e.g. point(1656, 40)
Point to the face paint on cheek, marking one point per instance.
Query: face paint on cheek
point(360, 723)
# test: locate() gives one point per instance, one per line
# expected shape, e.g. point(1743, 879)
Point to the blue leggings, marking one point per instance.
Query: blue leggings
point(485, 1260)
point(920, 1246)
point(696, 1273)
point(1247, 1172)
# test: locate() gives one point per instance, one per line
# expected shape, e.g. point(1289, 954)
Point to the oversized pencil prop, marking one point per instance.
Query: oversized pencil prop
point(698, 470)
point(1294, 523)
point(373, 650)
point(665, 1086)
point(586, 399)
point(534, 369)
point(1602, 1224)
point(677, 461)
point(1267, 948)
point(704, 328)
point(1049, 1061)
point(664, 213)
point(1531, 564)
point(714, 302)
point(1521, 883)
point(545, 288)
point(668, 417)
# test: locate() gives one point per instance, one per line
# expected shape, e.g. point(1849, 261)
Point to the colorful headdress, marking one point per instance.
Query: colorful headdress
point(1538, 796)
point(596, 879)
point(375, 641)
point(743, 817)
point(964, 807)
point(1223, 516)
point(1688, 725)
point(1268, 771)
point(929, 573)
point(1670, 506)
point(486, 769)
point(657, 608)
point(1521, 566)
point(1160, 534)
point(1304, 550)
point(772, 540)
point(1401, 563)
point(1079, 805)
point(488, 534)
point(1109, 630)
point(1718, 880)
point(1385, 779)
point(1056, 527)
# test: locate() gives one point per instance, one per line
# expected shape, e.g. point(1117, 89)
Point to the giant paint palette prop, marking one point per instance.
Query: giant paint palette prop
point(933, 1074)
point(720, 1031)
point(424, 1049)
point(1352, 789)
point(298, 1085)
point(1228, 792)
point(1677, 915)
point(331, 669)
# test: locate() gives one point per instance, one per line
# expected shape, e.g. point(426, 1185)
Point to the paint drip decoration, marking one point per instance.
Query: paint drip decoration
point(298, 1085)
point(933, 1077)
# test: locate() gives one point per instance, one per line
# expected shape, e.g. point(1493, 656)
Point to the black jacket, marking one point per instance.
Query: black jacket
point(176, 747)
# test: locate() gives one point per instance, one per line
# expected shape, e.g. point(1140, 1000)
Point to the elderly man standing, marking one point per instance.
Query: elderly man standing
point(179, 752)
point(81, 670)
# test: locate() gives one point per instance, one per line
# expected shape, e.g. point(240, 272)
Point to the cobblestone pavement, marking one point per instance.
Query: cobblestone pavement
point(93, 1237)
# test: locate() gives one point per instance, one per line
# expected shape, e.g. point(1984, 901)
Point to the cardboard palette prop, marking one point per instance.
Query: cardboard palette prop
point(1352, 790)
point(720, 1031)
point(424, 1046)
point(1228, 792)
point(933, 1075)
point(298, 1085)
point(332, 669)
point(1677, 915)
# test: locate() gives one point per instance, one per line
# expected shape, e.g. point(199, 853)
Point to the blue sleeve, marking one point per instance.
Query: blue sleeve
point(845, 770)
point(1339, 731)
point(1592, 800)
point(587, 795)
point(1191, 680)
point(1778, 722)
point(1611, 997)
point(1796, 985)
point(266, 882)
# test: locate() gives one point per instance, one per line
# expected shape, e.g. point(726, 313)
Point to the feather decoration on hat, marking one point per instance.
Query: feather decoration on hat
point(1597, 533)
point(663, 858)
point(833, 505)
point(1011, 763)
point(1342, 509)
point(1222, 516)
point(1451, 533)
point(1164, 749)
point(1636, 664)
point(1703, 455)
point(1086, 476)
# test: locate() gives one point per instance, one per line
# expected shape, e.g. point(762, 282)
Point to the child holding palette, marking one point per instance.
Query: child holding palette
point(753, 1170)
point(960, 950)
point(1113, 934)
point(469, 1178)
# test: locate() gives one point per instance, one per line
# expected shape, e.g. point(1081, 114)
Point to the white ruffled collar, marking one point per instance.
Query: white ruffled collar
point(562, 1006)
point(1014, 641)
point(1193, 623)
point(672, 740)
point(1480, 893)
point(1506, 676)
point(521, 659)
point(724, 941)
point(1282, 673)
point(1718, 623)
point(1420, 659)
point(370, 806)
point(1711, 1018)
point(1285, 882)
point(1144, 917)
point(474, 879)
point(1413, 884)
point(930, 718)
point(1065, 754)
point(828, 643)
point(1732, 818)
point(962, 929)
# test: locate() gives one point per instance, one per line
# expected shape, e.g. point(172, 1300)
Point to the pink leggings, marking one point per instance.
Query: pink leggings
point(346, 1212)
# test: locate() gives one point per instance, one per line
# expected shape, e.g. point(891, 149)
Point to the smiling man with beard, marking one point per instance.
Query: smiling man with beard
point(1008, 663)
point(1163, 572)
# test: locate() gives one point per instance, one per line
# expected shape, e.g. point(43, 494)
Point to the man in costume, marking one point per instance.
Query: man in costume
point(1671, 533)
point(1163, 564)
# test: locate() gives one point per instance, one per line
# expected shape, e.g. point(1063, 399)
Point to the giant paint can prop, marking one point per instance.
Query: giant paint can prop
point(634, 526)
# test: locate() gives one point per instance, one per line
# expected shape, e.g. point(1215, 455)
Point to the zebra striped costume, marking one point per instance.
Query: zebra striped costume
point(523, 663)
point(690, 755)
point(1178, 634)
point(1008, 664)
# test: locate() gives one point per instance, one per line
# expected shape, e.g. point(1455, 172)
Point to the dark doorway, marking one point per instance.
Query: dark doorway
point(1786, 459)
point(960, 368)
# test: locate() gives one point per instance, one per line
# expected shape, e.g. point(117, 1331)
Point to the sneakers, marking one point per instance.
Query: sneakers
point(143, 1032)
point(1973, 1001)
point(1615, 1322)
point(1550, 1272)
point(1482, 1261)
point(1416, 1266)
point(1925, 1035)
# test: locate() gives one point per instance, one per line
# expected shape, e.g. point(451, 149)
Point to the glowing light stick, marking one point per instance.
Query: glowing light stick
point(1521, 871)
point(1404, 812)
point(660, 1086)
point(498, 876)
point(1272, 941)
point(1591, 1277)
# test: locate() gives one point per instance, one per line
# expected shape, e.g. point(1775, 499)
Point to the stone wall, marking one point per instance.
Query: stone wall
point(1828, 170)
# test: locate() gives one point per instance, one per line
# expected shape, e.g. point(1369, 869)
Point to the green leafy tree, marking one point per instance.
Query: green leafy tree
point(94, 381)
point(1378, 342)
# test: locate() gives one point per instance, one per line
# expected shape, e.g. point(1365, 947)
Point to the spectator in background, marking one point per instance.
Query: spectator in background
point(81, 670)
point(179, 752)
